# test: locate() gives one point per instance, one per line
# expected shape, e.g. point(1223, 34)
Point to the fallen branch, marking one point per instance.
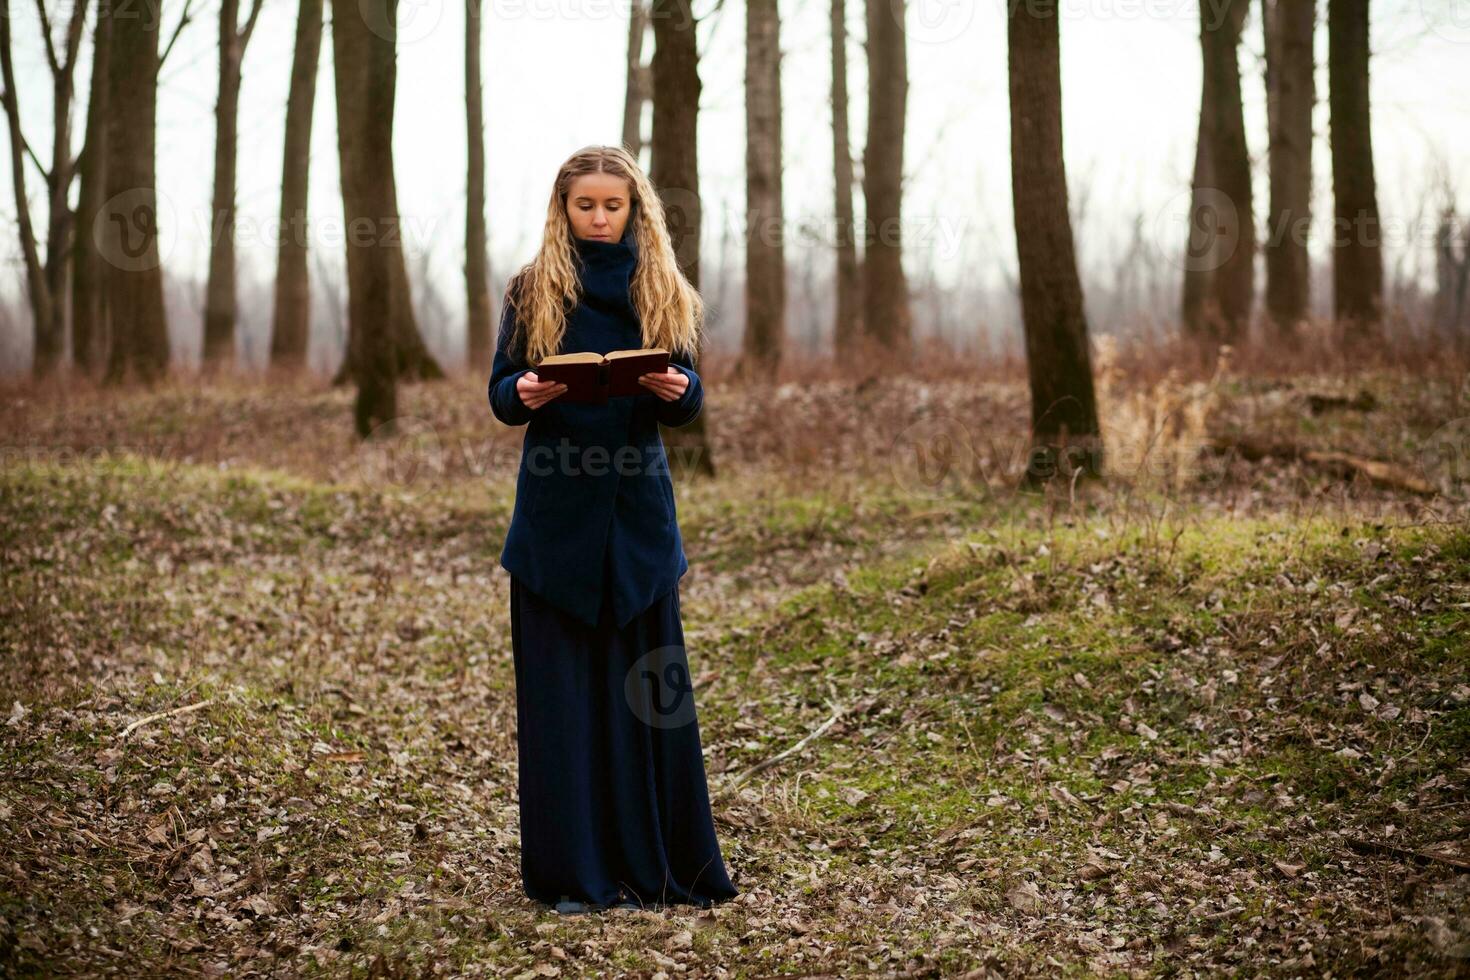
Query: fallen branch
point(1364, 402)
point(1340, 464)
point(186, 709)
point(780, 757)
point(1364, 846)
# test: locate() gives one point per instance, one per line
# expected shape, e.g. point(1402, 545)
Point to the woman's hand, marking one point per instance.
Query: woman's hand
point(534, 392)
point(669, 386)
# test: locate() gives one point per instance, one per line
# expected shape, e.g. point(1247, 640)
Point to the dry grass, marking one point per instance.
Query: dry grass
point(1154, 434)
point(1133, 731)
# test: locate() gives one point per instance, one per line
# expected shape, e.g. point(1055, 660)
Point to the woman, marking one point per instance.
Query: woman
point(614, 802)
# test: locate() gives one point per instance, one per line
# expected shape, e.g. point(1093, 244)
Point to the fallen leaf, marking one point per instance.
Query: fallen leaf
point(1024, 896)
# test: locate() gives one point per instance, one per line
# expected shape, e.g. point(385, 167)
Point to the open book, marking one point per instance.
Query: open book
point(593, 377)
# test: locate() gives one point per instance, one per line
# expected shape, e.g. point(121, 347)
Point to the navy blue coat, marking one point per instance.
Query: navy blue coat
point(593, 491)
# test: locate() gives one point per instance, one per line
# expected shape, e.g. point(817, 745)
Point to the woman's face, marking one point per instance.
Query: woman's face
point(598, 206)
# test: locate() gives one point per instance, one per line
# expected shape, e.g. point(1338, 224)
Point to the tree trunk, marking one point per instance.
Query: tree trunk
point(129, 242)
point(88, 287)
point(1357, 260)
point(848, 324)
point(481, 346)
point(61, 225)
point(37, 291)
point(365, 79)
point(1063, 406)
point(1290, 94)
point(765, 262)
point(674, 170)
point(412, 358)
point(636, 93)
point(291, 318)
point(45, 280)
point(1452, 277)
point(219, 292)
point(886, 314)
point(1202, 247)
point(415, 363)
point(1223, 205)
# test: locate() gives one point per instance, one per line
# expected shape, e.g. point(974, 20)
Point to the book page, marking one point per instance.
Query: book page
point(640, 352)
point(581, 357)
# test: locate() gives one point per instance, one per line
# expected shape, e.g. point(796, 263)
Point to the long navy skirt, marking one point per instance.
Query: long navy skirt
point(614, 804)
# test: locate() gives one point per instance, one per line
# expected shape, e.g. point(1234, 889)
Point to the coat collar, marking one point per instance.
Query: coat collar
point(596, 252)
point(606, 268)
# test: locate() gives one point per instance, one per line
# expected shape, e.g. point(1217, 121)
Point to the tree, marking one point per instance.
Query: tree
point(355, 88)
point(636, 92)
point(291, 314)
point(765, 261)
point(1063, 405)
point(674, 170)
point(848, 324)
point(45, 282)
point(1203, 247)
point(1222, 227)
point(1290, 94)
point(129, 224)
point(88, 277)
point(1452, 276)
point(219, 292)
point(1357, 259)
point(886, 315)
point(480, 345)
point(363, 49)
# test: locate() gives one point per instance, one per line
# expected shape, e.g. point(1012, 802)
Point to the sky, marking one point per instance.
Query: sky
point(554, 82)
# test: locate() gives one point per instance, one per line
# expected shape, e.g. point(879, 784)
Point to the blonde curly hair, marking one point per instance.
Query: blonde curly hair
point(545, 289)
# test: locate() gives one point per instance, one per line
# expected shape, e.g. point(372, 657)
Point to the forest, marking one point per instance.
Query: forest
point(1101, 608)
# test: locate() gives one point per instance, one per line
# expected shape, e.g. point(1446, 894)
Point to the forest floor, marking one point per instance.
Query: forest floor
point(259, 719)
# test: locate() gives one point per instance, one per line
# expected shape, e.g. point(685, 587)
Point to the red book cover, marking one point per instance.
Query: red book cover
point(593, 378)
